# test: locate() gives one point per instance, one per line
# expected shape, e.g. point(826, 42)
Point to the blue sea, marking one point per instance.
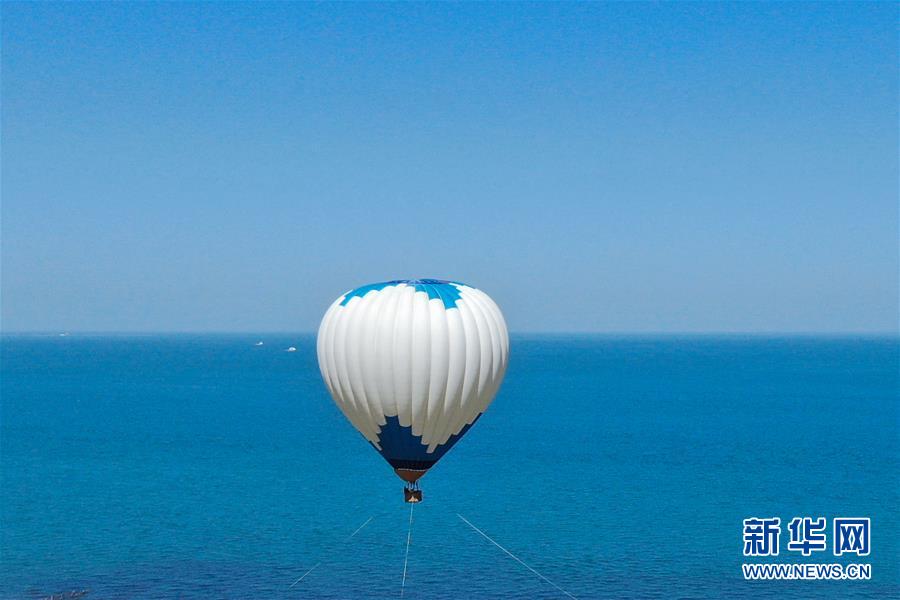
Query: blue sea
point(203, 466)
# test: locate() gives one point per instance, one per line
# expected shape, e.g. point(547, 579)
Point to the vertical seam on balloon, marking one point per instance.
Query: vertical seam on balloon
point(504, 340)
point(321, 350)
point(371, 347)
point(329, 356)
point(349, 400)
point(440, 314)
point(350, 353)
point(389, 354)
point(439, 426)
point(325, 356)
point(331, 380)
point(453, 403)
point(502, 346)
point(404, 445)
point(470, 311)
point(430, 344)
point(387, 312)
point(357, 353)
point(412, 349)
point(379, 383)
point(384, 377)
point(496, 348)
point(484, 335)
point(501, 324)
point(427, 363)
point(358, 403)
point(370, 407)
point(337, 371)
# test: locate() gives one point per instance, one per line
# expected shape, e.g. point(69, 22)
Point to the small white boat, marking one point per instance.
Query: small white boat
point(258, 344)
point(65, 334)
point(291, 349)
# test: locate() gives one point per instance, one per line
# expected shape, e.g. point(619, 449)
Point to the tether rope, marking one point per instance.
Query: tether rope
point(513, 556)
point(347, 539)
point(406, 560)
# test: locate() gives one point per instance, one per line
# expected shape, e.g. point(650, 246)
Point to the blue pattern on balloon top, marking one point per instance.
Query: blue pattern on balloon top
point(445, 291)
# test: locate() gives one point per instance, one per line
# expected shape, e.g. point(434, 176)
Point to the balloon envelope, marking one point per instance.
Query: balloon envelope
point(412, 364)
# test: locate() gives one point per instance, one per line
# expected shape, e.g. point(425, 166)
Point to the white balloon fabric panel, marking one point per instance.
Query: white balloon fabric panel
point(413, 364)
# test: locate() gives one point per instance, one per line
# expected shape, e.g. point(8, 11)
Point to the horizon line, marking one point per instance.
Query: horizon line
point(536, 332)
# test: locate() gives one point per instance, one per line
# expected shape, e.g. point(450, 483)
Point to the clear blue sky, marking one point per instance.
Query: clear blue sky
point(593, 167)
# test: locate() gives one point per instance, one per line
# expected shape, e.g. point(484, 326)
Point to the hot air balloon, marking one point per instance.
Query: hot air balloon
point(413, 364)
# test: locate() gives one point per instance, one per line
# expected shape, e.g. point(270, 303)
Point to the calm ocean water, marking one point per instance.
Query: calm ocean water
point(622, 467)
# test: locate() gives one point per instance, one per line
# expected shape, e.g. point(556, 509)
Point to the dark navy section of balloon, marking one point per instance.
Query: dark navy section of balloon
point(405, 450)
point(199, 467)
point(445, 291)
